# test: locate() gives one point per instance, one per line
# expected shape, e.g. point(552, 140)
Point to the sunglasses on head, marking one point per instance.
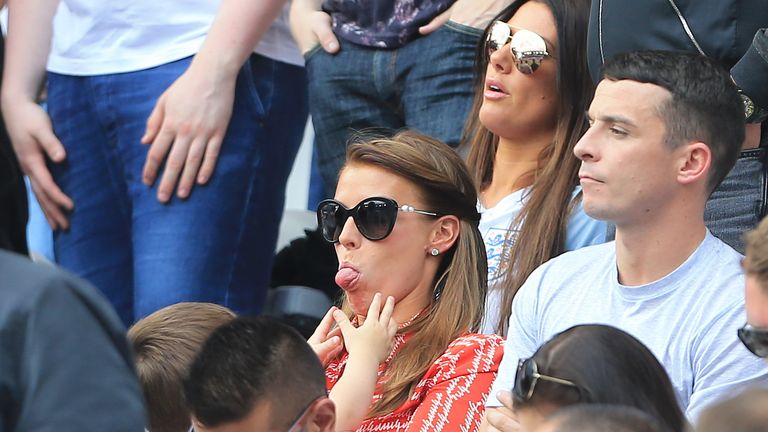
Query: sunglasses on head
point(527, 377)
point(755, 339)
point(374, 217)
point(527, 48)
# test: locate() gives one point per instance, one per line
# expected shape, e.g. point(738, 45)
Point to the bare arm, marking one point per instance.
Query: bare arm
point(368, 346)
point(190, 119)
point(30, 28)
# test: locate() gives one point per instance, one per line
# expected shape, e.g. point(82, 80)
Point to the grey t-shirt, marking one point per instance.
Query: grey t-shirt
point(65, 363)
point(688, 319)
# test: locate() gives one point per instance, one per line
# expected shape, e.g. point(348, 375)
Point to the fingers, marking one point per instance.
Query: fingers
point(52, 146)
point(322, 28)
point(323, 329)
point(386, 312)
point(505, 398)
point(191, 167)
point(173, 167)
point(500, 419)
point(156, 156)
point(209, 161)
point(154, 122)
point(374, 308)
point(328, 349)
point(436, 22)
point(52, 200)
point(343, 322)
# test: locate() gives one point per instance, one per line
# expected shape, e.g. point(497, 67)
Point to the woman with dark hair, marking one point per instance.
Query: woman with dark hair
point(595, 364)
point(533, 89)
point(404, 225)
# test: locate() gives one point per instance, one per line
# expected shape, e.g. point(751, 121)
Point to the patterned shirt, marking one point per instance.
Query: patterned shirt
point(450, 397)
point(382, 23)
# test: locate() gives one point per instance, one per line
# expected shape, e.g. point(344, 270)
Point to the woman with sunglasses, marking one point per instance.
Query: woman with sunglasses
point(532, 93)
point(404, 224)
point(594, 364)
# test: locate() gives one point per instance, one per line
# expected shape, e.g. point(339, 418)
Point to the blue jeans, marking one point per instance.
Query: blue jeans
point(217, 245)
point(426, 85)
point(738, 203)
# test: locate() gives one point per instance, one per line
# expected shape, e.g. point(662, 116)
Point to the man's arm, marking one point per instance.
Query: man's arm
point(188, 124)
point(30, 27)
point(310, 26)
point(751, 75)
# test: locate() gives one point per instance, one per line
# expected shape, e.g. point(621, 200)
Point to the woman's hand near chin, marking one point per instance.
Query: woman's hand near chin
point(327, 340)
point(374, 338)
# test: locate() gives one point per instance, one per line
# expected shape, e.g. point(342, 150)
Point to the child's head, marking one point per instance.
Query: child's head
point(165, 343)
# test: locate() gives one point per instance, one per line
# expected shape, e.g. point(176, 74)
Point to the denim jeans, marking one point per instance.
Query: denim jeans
point(215, 246)
point(425, 85)
point(738, 203)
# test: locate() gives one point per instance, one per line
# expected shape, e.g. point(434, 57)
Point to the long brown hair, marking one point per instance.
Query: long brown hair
point(549, 201)
point(460, 282)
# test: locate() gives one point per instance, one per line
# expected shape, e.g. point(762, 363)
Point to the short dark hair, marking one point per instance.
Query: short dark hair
point(609, 366)
point(705, 105)
point(250, 360)
point(165, 344)
point(604, 418)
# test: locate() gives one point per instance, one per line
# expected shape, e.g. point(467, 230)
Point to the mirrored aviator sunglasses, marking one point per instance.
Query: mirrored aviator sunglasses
point(528, 48)
point(755, 339)
point(374, 217)
point(528, 375)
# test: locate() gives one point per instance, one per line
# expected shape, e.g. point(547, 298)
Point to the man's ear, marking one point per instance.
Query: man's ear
point(322, 417)
point(695, 163)
point(446, 231)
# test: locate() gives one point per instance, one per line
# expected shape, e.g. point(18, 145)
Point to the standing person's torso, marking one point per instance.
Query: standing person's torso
point(382, 23)
point(95, 37)
point(723, 28)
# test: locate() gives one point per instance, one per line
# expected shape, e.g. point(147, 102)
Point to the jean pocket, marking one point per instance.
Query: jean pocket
point(463, 28)
point(256, 82)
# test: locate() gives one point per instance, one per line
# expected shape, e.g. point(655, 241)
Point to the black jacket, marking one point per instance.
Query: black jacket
point(724, 29)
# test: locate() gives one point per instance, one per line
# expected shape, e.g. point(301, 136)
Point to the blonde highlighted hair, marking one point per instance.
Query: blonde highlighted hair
point(755, 261)
point(460, 283)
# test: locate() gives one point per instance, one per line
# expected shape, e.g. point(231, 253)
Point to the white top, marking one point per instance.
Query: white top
point(688, 319)
point(494, 226)
point(277, 43)
point(96, 37)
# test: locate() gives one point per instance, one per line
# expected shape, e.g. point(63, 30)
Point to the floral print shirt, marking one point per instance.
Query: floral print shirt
point(382, 23)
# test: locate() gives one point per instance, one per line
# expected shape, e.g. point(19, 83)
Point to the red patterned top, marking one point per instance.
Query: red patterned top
point(450, 397)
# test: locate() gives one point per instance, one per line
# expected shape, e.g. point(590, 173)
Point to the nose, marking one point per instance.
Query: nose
point(585, 149)
point(501, 60)
point(350, 237)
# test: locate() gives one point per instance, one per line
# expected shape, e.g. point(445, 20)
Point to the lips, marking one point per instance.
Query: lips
point(493, 85)
point(583, 177)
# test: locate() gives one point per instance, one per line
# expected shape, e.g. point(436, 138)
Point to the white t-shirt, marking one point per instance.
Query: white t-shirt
point(97, 37)
point(688, 319)
point(495, 225)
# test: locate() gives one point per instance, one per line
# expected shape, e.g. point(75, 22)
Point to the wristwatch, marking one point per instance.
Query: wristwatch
point(752, 112)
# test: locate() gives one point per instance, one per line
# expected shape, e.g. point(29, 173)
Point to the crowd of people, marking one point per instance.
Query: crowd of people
point(538, 210)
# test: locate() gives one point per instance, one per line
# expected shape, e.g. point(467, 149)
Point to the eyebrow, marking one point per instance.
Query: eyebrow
point(613, 119)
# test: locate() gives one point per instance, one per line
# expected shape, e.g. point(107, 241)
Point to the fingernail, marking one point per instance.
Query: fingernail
point(333, 46)
point(162, 196)
point(202, 179)
point(335, 340)
point(183, 193)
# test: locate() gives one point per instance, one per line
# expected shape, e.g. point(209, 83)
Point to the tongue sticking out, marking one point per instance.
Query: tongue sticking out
point(347, 277)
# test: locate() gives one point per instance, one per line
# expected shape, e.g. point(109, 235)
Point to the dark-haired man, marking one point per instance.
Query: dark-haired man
point(665, 130)
point(257, 374)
